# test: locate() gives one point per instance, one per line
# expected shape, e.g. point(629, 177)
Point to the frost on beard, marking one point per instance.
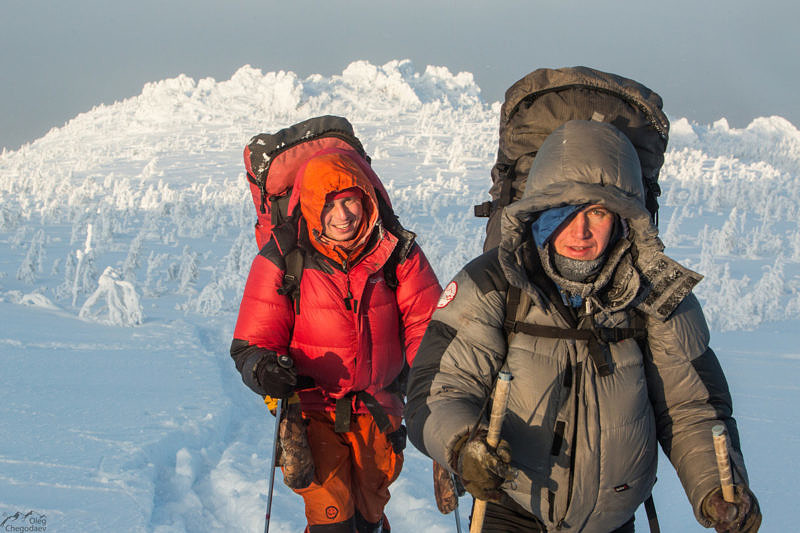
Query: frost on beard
point(114, 303)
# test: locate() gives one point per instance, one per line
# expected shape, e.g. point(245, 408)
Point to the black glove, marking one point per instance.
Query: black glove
point(483, 469)
point(740, 516)
point(276, 375)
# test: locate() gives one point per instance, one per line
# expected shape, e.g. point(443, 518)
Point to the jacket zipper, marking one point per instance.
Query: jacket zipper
point(576, 384)
point(349, 303)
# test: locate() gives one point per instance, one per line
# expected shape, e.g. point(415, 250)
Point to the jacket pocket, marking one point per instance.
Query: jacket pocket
point(628, 463)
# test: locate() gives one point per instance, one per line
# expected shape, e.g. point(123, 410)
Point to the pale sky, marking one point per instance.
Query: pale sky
point(708, 59)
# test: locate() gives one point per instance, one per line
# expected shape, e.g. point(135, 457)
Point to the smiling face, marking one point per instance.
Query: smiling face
point(341, 216)
point(586, 235)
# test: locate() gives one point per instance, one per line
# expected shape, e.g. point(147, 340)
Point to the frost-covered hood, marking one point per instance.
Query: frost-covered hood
point(588, 162)
point(582, 162)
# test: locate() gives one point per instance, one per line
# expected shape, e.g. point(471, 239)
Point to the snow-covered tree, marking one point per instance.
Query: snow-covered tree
point(9, 218)
point(64, 290)
point(768, 293)
point(727, 308)
point(114, 302)
point(211, 300)
point(728, 239)
point(31, 264)
point(133, 259)
point(671, 236)
point(154, 282)
point(187, 271)
point(85, 271)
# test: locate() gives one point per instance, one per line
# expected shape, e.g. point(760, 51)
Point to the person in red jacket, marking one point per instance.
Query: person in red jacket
point(350, 342)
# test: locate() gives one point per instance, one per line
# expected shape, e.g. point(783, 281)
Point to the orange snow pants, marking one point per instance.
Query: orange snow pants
point(353, 471)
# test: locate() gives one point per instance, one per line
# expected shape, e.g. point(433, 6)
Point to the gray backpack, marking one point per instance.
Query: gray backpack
point(546, 98)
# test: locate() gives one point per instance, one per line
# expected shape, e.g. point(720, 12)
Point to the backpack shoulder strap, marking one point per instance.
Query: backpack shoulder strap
point(401, 250)
point(285, 236)
point(294, 259)
point(513, 296)
point(390, 272)
point(597, 338)
point(405, 242)
point(652, 517)
point(279, 207)
point(639, 324)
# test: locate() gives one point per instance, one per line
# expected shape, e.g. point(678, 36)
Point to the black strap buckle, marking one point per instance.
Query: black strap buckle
point(344, 412)
point(483, 210)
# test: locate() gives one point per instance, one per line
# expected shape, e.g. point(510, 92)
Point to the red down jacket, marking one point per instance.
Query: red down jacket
point(343, 350)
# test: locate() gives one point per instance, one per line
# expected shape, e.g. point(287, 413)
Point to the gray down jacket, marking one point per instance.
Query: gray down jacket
point(584, 444)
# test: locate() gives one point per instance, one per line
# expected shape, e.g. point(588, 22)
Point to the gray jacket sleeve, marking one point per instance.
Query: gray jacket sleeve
point(690, 395)
point(460, 355)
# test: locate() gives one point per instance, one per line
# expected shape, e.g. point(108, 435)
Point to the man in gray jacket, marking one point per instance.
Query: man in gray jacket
point(609, 353)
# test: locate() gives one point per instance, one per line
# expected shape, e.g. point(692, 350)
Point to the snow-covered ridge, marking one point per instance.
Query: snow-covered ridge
point(127, 236)
point(155, 182)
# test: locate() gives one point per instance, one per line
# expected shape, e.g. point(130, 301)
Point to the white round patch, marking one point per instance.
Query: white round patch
point(448, 294)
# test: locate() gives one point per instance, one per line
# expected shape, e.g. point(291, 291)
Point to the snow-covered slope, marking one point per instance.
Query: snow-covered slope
point(127, 235)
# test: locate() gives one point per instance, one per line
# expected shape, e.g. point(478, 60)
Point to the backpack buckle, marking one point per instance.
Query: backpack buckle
point(483, 210)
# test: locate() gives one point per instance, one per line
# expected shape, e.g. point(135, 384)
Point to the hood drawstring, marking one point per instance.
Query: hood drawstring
point(349, 304)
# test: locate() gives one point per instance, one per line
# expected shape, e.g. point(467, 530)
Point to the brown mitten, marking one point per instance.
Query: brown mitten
point(739, 516)
point(296, 458)
point(484, 469)
point(444, 489)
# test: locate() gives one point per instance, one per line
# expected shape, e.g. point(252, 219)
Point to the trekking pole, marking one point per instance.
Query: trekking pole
point(271, 482)
point(458, 518)
point(499, 404)
point(723, 461)
point(286, 362)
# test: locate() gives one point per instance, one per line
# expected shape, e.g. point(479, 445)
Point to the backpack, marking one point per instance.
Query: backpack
point(272, 161)
point(546, 98)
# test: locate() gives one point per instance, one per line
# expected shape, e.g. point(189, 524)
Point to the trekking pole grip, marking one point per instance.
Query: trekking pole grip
point(723, 461)
point(499, 404)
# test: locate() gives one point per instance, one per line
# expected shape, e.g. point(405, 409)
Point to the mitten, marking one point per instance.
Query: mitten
point(276, 375)
point(743, 515)
point(296, 458)
point(484, 469)
point(444, 489)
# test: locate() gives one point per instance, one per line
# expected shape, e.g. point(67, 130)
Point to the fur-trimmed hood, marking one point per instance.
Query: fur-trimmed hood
point(588, 162)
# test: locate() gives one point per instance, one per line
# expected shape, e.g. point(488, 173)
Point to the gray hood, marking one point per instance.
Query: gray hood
point(588, 162)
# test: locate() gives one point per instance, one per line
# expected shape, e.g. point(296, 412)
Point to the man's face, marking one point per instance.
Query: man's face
point(341, 217)
point(586, 235)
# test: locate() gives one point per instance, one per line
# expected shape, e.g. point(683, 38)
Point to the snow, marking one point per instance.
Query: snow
point(127, 235)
